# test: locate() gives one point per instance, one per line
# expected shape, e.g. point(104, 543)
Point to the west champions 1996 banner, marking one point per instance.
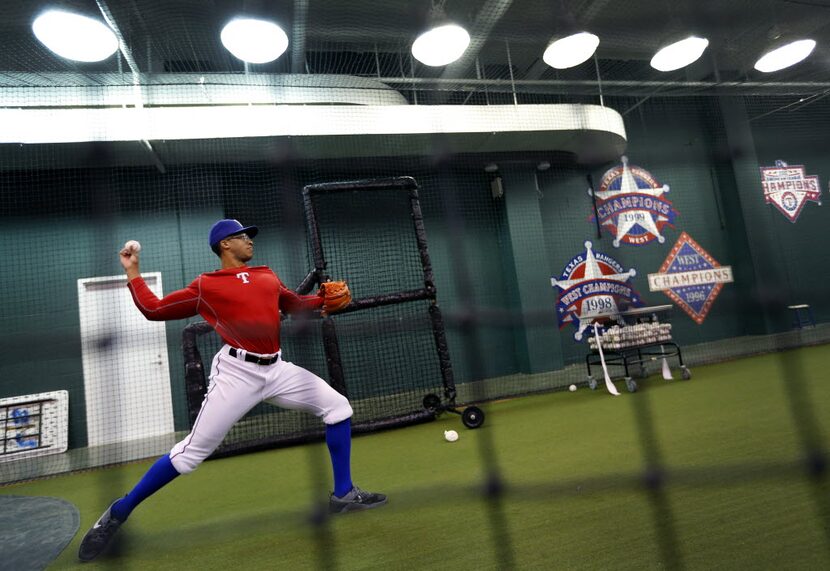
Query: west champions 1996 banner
point(592, 284)
point(631, 205)
point(691, 278)
point(788, 188)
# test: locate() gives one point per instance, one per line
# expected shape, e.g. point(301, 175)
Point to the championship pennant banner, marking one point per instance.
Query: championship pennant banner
point(592, 284)
point(631, 205)
point(789, 188)
point(691, 278)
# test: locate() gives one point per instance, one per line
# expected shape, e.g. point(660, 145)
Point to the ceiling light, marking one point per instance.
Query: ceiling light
point(441, 45)
point(571, 51)
point(74, 36)
point(785, 56)
point(679, 54)
point(254, 41)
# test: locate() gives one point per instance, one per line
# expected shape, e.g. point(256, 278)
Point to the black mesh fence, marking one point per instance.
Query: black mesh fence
point(608, 175)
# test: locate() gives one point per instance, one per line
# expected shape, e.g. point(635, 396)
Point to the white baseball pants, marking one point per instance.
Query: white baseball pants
point(236, 386)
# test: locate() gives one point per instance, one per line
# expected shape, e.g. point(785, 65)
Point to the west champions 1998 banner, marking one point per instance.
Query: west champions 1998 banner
point(592, 284)
point(632, 206)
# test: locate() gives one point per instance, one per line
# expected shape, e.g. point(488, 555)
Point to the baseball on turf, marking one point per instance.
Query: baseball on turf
point(450, 435)
point(572, 388)
point(133, 246)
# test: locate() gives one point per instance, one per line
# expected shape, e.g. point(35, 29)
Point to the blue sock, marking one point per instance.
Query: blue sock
point(339, 440)
point(159, 474)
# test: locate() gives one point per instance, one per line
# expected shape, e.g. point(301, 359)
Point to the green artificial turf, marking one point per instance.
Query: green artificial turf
point(736, 495)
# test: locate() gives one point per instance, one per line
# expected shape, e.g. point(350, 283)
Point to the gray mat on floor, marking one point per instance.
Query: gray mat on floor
point(35, 530)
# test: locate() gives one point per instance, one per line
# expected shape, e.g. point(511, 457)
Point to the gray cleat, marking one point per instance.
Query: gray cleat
point(99, 536)
point(355, 500)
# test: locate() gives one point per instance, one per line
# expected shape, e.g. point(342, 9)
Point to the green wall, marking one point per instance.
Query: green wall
point(684, 143)
point(68, 224)
point(673, 143)
point(798, 136)
point(62, 225)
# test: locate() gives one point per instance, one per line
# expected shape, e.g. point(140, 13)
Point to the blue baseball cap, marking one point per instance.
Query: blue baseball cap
point(228, 227)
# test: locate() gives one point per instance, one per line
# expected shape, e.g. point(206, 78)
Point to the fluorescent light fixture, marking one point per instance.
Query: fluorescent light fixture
point(254, 41)
point(74, 36)
point(679, 54)
point(571, 50)
point(441, 45)
point(785, 56)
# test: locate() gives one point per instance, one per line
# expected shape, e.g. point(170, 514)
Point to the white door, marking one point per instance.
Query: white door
point(126, 375)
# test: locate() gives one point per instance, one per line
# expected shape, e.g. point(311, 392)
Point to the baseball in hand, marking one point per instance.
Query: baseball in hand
point(133, 246)
point(450, 435)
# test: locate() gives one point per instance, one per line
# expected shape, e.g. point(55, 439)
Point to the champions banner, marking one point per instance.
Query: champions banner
point(592, 284)
point(789, 188)
point(691, 278)
point(630, 204)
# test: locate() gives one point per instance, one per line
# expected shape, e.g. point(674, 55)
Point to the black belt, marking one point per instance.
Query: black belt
point(252, 359)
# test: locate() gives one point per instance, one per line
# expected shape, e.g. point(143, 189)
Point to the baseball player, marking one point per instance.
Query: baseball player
point(243, 305)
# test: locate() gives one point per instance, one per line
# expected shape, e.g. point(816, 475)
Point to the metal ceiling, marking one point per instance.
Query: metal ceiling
point(372, 39)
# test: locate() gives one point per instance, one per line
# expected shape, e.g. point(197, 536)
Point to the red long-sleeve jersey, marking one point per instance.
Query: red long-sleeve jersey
point(242, 304)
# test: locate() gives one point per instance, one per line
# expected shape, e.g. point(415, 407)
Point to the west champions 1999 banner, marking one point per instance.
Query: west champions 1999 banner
point(631, 205)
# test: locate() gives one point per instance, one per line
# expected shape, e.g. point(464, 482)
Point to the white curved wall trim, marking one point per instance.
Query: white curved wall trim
point(231, 121)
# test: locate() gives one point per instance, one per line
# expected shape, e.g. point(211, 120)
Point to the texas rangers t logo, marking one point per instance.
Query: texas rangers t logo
point(592, 284)
point(691, 278)
point(244, 277)
point(788, 188)
point(631, 205)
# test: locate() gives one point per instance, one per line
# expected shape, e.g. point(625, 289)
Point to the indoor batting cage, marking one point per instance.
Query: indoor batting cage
point(580, 257)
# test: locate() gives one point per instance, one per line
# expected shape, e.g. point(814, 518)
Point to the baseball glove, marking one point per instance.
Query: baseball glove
point(336, 296)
